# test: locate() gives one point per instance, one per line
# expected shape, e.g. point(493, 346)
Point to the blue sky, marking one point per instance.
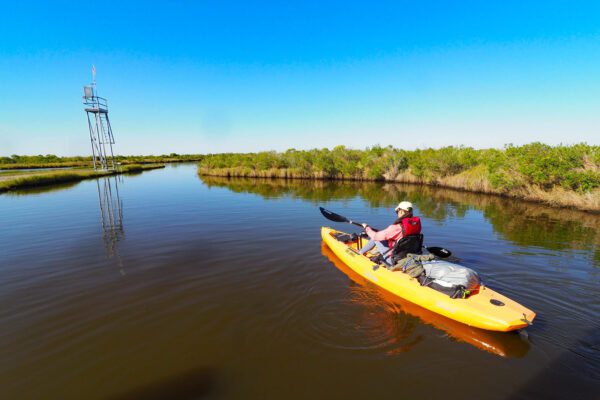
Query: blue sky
point(215, 76)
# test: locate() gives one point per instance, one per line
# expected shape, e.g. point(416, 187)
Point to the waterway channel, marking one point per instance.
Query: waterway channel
point(167, 285)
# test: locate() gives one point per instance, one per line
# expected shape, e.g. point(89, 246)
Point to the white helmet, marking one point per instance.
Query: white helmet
point(404, 205)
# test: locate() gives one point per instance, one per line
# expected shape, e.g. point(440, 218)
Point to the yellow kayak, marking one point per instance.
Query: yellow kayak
point(485, 309)
point(497, 343)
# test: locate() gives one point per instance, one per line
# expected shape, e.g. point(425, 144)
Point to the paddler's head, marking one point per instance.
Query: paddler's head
point(404, 208)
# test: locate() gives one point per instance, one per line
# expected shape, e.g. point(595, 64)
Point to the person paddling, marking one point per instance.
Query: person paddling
point(405, 225)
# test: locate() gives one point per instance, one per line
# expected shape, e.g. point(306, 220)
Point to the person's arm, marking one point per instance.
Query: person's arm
point(381, 235)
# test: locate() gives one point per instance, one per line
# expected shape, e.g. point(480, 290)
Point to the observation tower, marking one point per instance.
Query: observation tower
point(101, 136)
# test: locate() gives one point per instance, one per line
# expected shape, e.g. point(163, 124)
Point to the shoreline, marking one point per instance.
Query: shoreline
point(48, 178)
point(559, 176)
point(88, 164)
point(557, 198)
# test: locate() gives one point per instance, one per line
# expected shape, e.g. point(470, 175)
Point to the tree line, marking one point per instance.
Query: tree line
point(570, 167)
point(51, 160)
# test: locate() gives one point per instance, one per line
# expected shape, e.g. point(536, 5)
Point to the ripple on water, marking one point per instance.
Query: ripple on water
point(358, 320)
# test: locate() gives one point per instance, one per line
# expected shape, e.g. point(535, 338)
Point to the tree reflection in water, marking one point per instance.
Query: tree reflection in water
point(520, 222)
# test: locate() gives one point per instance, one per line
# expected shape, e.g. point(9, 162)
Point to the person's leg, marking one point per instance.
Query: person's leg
point(382, 247)
point(385, 251)
point(368, 246)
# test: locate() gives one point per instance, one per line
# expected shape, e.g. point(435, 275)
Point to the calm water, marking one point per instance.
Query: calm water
point(163, 285)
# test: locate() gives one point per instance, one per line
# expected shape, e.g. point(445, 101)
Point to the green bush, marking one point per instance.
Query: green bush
point(581, 181)
point(571, 167)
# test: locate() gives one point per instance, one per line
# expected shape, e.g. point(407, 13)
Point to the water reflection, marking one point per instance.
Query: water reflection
point(42, 189)
point(522, 223)
point(358, 321)
point(220, 312)
point(111, 216)
point(397, 309)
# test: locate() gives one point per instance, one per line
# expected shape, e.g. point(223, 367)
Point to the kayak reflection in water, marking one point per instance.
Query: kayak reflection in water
point(405, 225)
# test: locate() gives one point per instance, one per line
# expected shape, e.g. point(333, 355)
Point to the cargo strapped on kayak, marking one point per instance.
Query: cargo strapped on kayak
point(451, 279)
point(412, 264)
point(454, 292)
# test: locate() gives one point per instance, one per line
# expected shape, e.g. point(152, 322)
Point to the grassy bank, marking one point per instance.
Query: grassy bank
point(567, 176)
point(43, 178)
point(52, 161)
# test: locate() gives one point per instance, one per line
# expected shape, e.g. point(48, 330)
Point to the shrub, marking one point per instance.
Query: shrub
point(570, 167)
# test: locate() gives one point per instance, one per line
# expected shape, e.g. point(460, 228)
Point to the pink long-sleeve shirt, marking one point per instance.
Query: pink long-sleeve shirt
point(392, 233)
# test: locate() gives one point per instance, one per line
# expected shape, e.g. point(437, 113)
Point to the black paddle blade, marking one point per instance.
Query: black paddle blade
point(337, 217)
point(439, 251)
point(332, 216)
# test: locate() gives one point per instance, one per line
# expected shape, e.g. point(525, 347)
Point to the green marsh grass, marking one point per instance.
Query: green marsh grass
point(27, 179)
point(565, 176)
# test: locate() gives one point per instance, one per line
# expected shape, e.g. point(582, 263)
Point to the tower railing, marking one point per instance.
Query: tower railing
point(96, 103)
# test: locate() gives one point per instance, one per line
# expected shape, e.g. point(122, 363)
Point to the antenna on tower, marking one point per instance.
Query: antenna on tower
point(101, 136)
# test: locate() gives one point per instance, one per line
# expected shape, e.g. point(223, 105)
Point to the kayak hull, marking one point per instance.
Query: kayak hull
point(498, 343)
point(485, 309)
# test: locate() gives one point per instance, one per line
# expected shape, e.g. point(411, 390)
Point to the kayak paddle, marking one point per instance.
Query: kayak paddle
point(439, 251)
point(436, 251)
point(337, 217)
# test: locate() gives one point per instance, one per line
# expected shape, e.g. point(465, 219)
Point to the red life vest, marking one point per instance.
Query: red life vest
point(411, 226)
